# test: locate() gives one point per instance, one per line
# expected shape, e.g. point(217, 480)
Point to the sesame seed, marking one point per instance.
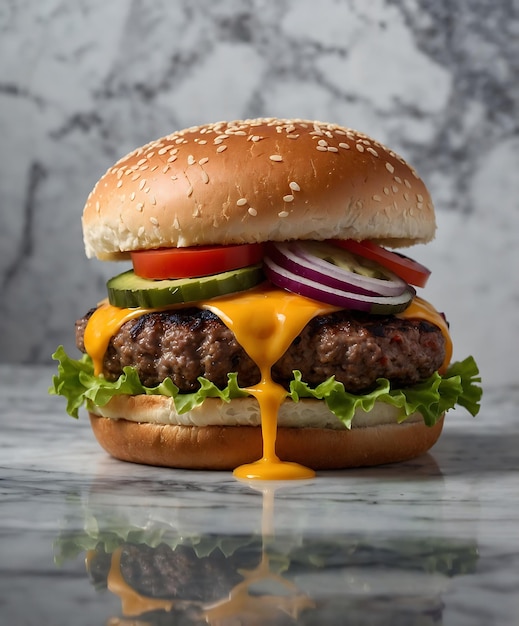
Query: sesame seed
point(332, 149)
point(142, 184)
point(359, 147)
point(162, 151)
point(275, 157)
point(321, 148)
point(372, 151)
point(294, 186)
point(376, 198)
point(292, 136)
point(119, 183)
point(136, 176)
point(386, 191)
point(322, 142)
point(419, 197)
point(154, 221)
point(221, 148)
point(394, 188)
point(406, 196)
point(150, 154)
point(191, 160)
point(241, 201)
point(288, 198)
point(389, 168)
point(252, 211)
point(143, 167)
point(147, 190)
point(189, 191)
point(139, 206)
point(255, 138)
point(397, 179)
point(165, 169)
point(141, 162)
point(419, 205)
point(132, 195)
point(155, 167)
point(205, 177)
point(345, 146)
point(283, 214)
point(153, 200)
point(172, 158)
point(407, 183)
point(98, 206)
point(203, 161)
point(141, 230)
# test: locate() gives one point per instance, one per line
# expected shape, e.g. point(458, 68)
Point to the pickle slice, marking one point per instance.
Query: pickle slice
point(127, 290)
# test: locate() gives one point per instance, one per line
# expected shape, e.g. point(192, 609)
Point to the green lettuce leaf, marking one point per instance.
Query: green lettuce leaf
point(76, 381)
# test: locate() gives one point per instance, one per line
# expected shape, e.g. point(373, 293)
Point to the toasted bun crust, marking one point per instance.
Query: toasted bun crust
point(375, 438)
point(252, 181)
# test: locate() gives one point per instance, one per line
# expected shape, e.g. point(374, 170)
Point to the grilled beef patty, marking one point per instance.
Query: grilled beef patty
point(356, 348)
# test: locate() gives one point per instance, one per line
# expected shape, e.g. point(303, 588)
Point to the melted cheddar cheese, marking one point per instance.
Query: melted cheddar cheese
point(265, 321)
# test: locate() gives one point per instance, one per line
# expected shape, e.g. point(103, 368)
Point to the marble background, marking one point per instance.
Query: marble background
point(82, 83)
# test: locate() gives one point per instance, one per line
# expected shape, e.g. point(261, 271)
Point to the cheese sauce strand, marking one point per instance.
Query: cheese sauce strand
point(265, 321)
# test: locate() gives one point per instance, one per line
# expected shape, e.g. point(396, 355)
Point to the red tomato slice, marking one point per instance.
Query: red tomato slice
point(165, 263)
point(412, 272)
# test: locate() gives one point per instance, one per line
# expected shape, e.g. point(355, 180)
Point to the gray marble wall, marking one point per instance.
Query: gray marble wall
point(81, 83)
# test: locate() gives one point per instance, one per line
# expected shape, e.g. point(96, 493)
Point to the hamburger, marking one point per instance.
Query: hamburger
point(267, 317)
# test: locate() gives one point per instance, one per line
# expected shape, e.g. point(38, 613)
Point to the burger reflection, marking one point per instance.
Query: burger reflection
point(163, 574)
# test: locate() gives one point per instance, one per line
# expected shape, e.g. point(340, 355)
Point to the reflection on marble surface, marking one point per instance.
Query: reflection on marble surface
point(161, 570)
point(432, 541)
point(83, 83)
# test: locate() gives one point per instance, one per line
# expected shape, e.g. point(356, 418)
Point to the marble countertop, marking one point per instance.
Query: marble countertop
point(433, 541)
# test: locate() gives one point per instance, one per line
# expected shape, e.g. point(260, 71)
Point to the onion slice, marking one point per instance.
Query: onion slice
point(304, 286)
point(343, 270)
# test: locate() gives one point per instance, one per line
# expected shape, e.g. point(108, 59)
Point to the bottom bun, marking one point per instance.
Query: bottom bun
point(225, 447)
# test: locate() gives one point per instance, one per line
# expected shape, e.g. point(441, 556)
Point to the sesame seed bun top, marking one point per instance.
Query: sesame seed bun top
point(256, 180)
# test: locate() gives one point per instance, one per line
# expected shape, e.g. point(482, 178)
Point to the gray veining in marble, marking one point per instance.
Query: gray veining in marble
point(432, 541)
point(83, 83)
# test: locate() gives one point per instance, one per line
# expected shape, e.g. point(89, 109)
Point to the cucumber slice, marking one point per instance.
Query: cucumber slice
point(127, 290)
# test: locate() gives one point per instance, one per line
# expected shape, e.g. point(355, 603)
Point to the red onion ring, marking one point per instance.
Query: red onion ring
point(299, 258)
point(382, 305)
